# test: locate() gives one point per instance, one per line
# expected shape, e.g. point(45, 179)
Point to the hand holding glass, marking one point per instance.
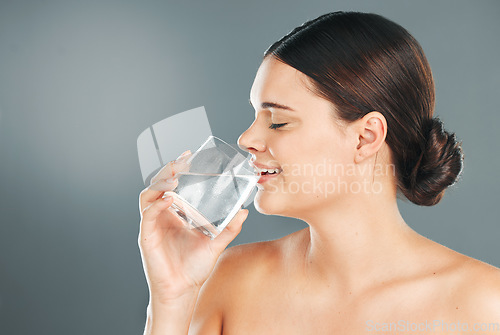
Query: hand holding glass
point(215, 184)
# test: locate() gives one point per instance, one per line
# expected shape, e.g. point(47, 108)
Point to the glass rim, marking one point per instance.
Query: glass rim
point(220, 140)
point(248, 158)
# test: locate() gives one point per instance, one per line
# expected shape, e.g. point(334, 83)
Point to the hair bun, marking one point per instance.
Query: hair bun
point(439, 165)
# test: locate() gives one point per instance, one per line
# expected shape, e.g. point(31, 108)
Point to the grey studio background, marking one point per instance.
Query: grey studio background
point(80, 80)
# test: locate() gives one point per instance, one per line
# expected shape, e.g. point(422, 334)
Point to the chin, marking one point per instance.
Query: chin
point(260, 205)
point(271, 203)
point(264, 204)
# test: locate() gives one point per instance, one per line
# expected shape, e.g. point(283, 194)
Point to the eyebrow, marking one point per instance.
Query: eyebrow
point(266, 105)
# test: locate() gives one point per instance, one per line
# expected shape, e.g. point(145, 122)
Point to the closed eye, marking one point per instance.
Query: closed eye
point(276, 125)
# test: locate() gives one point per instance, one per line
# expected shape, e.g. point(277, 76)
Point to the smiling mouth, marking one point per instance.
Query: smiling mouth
point(265, 172)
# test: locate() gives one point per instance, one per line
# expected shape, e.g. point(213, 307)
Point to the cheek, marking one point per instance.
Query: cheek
point(316, 153)
point(318, 167)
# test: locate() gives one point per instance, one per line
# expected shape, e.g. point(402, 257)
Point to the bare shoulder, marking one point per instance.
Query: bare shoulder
point(478, 289)
point(237, 271)
point(242, 267)
point(255, 259)
point(246, 261)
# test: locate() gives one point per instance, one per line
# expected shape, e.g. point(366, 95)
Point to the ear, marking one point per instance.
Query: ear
point(371, 133)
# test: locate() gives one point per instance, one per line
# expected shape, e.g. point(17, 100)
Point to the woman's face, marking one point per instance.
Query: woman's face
point(311, 150)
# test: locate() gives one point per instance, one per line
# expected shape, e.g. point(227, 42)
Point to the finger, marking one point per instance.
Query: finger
point(164, 173)
point(230, 232)
point(173, 167)
point(154, 191)
point(150, 214)
point(164, 185)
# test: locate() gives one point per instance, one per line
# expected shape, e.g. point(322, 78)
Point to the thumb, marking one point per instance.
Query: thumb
point(230, 232)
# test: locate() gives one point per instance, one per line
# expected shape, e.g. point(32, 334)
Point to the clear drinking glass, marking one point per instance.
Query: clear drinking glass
point(219, 179)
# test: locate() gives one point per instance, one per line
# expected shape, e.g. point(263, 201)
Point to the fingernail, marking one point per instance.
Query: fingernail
point(167, 198)
point(183, 158)
point(185, 153)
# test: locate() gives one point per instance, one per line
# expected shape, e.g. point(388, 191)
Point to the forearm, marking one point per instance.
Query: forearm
point(171, 317)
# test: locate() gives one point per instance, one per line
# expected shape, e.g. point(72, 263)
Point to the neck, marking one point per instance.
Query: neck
point(358, 246)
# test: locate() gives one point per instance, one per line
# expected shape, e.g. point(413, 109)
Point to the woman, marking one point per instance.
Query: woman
point(344, 111)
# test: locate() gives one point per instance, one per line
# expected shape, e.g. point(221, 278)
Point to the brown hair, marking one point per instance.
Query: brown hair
point(364, 62)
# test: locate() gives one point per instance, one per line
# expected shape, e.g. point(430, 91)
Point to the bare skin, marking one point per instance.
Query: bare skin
point(358, 264)
point(265, 288)
point(357, 267)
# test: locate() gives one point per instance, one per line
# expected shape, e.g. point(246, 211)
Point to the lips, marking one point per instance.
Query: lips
point(267, 172)
point(265, 177)
point(264, 169)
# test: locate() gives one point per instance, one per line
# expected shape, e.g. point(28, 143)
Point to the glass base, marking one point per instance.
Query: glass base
point(191, 217)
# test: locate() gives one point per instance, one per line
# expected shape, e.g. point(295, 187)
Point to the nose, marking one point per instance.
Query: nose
point(250, 141)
